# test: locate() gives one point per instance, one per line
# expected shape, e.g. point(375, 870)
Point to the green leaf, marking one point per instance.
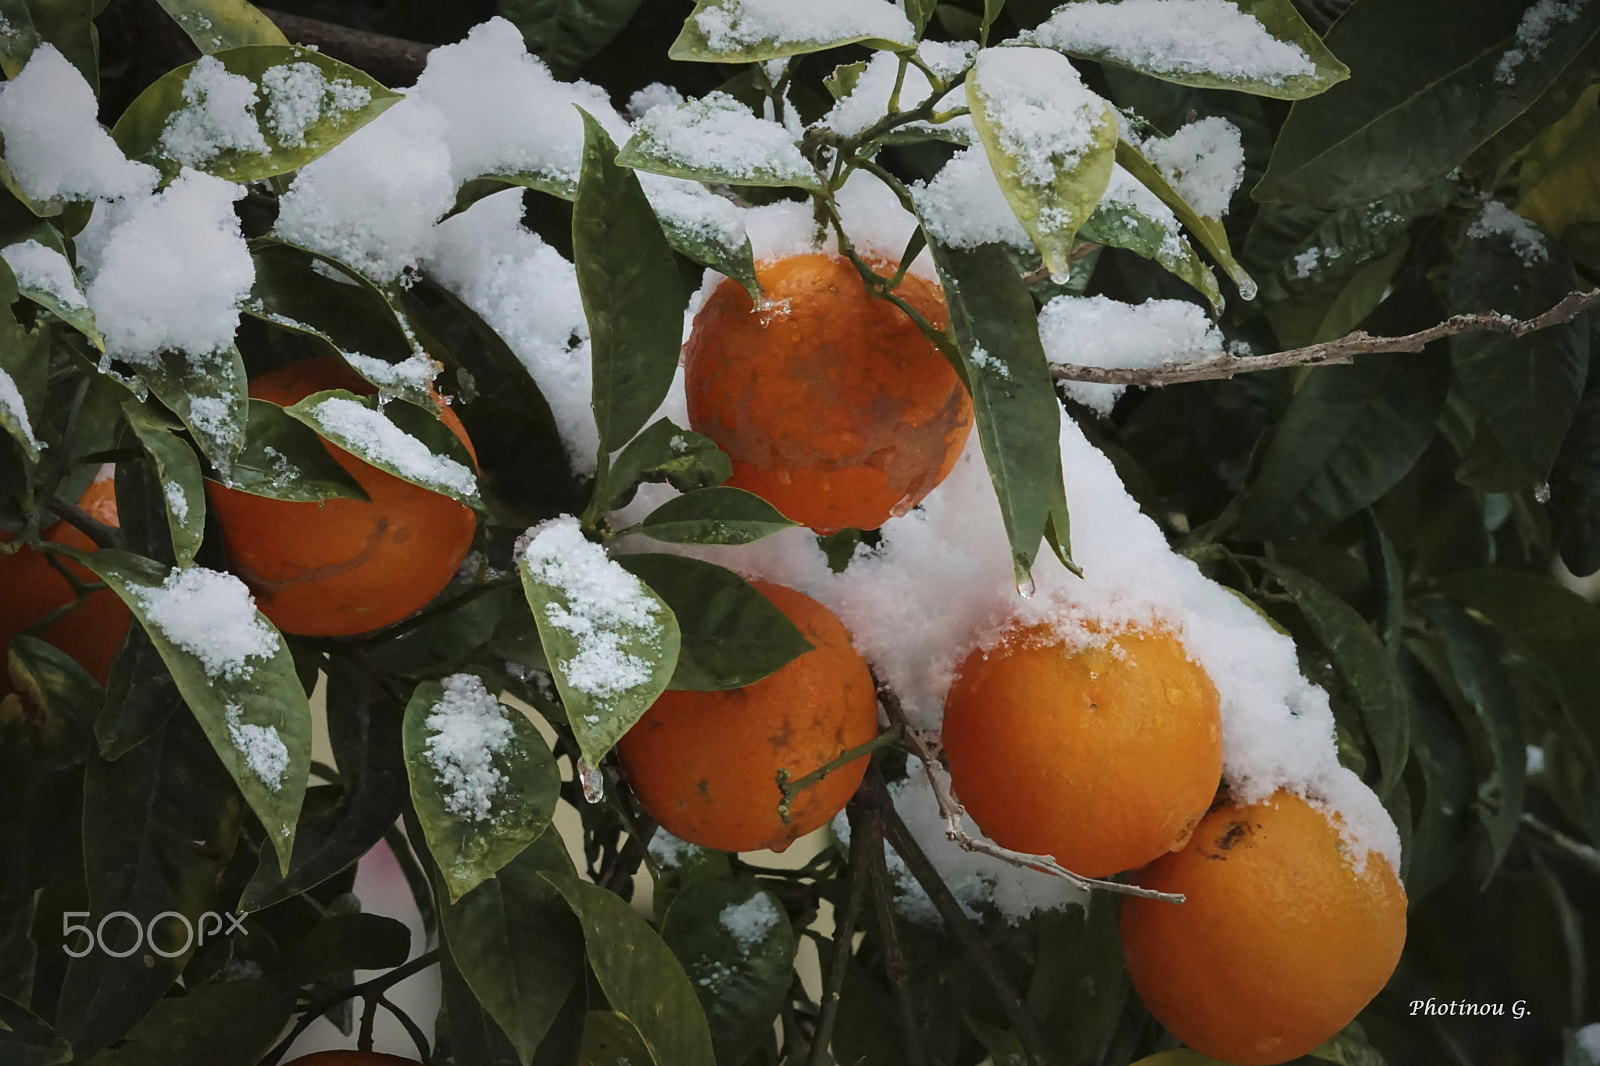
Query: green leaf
point(718, 515)
point(609, 1039)
point(1475, 668)
point(842, 82)
point(516, 945)
point(25, 1039)
point(140, 697)
point(449, 637)
point(355, 319)
point(350, 99)
point(183, 487)
point(732, 635)
point(1013, 399)
point(1153, 234)
point(231, 1021)
point(63, 697)
point(737, 947)
point(1575, 483)
point(664, 452)
point(472, 836)
point(1051, 196)
point(1278, 18)
point(1350, 434)
point(1559, 179)
point(261, 700)
point(1525, 391)
point(214, 25)
point(282, 459)
point(340, 943)
point(159, 826)
point(715, 32)
point(1427, 87)
point(67, 24)
point(208, 392)
point(631, 293)
point(396, 437)
point(25, 362)
point(1348, 1047)
point(1444, 810)
point(1336, 307)
point(589, 641)
point(1209, 231)
point(567, 33)
point(19, 225)
point(665, 143)
point(18, 37)
point(1364, 664)
point(639, 975)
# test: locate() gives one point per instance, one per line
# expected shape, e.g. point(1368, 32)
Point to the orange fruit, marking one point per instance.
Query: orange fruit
point(341, 567)
point(1103, 755)
point(352, 1058)
point(1279, 942)
point(91, 632)
point(706, 764)
point(831, 403)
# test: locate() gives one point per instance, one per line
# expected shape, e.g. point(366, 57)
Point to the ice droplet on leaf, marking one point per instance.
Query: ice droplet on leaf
point(594, 782)
point(1542, 492)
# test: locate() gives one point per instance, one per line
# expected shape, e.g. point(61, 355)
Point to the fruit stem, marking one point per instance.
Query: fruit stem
point(790, 789)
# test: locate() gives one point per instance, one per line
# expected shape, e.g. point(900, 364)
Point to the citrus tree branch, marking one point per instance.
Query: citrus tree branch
point(953, 813)
point(1343, 350)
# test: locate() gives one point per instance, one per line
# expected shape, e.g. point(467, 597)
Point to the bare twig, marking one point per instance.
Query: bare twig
point(1343, 350)
point(843, 932)
point(392, 60)
point(953, 813)
point(895, 966)
point(375, 987)
point(1582, 853)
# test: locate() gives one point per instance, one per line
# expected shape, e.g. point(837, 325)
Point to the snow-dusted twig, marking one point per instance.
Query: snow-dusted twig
point(953, 813)
point(1343, 350)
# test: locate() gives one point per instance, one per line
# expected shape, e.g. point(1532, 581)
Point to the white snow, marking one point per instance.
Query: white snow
point(750, 922)
point(467, 728)
point(416, 372)
point(652, 96)
point(1524, 236)
point(740, 25)
point(1175, 38)
point(607, 608)
point(372, 201)
point(11, 403)
point(869, 100)
point(1588, 1041)
point(298, 95)
point(45, 270)
point(1533, 35)
point(718, 134)
point(212, 616)
point(177, 502)
point(694, 209)
point(669, 851)
point(1203, 162)
point(528, 294)
point(378, 440)
point(54, 145)
point(1045, 118)
point(963, 206)
point(263, 749)
point(1099, 331)
point(217, 115)
point(169, 270)
point(1127, 193)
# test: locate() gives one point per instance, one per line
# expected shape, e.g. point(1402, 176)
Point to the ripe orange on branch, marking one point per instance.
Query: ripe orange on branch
point(90, 632)
point(1279, 942)
point(830, 401)
point(341, 567)
point(1103, 755)
point(706, 764)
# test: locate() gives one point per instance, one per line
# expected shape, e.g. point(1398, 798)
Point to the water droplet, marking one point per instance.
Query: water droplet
point(1094, 675)
point(1542, 493)
point(1247, 288)
point(1025, 586)
point(594, 782)
point(1174, 695)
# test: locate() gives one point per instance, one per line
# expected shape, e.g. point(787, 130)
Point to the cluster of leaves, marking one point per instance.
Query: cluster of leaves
point(1409, 556)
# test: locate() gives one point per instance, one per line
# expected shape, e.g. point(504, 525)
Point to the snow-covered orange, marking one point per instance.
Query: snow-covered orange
point(341, 567)
point(1102, 752)
point(706, 764)
point(831, 402)
point(1280, 940)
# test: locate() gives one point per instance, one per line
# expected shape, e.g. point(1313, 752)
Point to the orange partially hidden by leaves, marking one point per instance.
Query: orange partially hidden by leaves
point(706, 764)
point(831, 402)
point(1279, 942)
point(341, 567)
point(352, 1058)
point(1103, 755)
point(92, 631)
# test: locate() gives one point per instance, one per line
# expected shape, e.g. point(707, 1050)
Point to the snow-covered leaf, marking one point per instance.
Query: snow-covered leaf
point(664, 452)
point(749, 31)
point(717, 138)
point(1049, 140)
point(1209, 231)
point(1130, 217)
point(24, 369)
point(716, 515)
point(235, 673)
point(178, 469)
point(395, 437)
point(37, 256)
point(611, 642)
point(249, 113)
point(208, 393)
point(217, 24)
point(483, 781)
point(1254, 46)
point(282, 459)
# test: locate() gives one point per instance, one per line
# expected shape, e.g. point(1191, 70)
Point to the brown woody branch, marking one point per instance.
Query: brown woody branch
point(392, 60)
point(1343, 350)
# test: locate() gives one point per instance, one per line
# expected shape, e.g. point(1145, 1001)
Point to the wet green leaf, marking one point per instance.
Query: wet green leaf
point(718, 515)
point(183, 487)
point(1154, 234)
point(214, 25)
point(714, 33)
point(25, 360)
point(282, 459)
point(663, 452)
point(1336, 307)
point(1208, 231)
point(209, 393)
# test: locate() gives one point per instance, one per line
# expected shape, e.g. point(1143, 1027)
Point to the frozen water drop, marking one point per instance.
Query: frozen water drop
point(1025, 585)
point(594, 782)
point(1542, 493)
point(1247, 287)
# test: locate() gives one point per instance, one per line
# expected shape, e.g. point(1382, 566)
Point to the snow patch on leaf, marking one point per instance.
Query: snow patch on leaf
point(467, 728)
point(212, 616)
